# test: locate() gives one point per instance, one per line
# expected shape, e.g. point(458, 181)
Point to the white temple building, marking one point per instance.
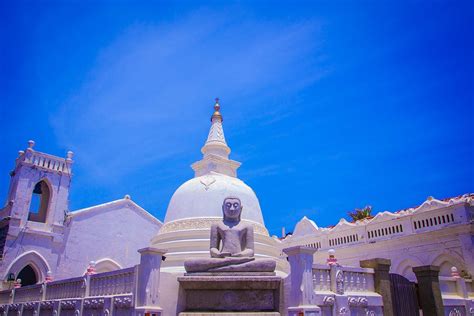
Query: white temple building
point(438, 232)
point(41, 239)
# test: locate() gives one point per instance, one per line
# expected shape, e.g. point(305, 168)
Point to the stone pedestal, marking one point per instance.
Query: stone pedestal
point(381, 281)
point(147, 298)
point(428, 287)
point(229, 314)
point(301, 299)
point(216, 293)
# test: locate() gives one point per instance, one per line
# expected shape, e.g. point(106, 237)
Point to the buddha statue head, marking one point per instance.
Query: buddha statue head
point(232, 209)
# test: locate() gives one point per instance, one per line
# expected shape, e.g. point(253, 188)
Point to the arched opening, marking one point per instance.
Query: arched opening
point(409, 274)
point(446, 261)
point(106, 265)
point(28, 276)
point(31, 258)
point(445, 268)
point(405, 268)
point(39, 202)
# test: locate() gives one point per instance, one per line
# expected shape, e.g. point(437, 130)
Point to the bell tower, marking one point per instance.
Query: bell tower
point(39, 191)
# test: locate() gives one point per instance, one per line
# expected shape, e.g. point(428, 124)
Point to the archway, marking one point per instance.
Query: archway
point(405, 267)
point(32, 259)
point(446, 261)
point(39, 203)
point(28, 276)
point(106, 265)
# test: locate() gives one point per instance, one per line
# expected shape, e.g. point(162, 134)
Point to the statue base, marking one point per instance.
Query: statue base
point(229, 314)
point(230, 292)
point(230, 274)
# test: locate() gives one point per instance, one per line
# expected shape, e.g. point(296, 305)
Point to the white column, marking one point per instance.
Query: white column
point(148, 281)
point(301, 298)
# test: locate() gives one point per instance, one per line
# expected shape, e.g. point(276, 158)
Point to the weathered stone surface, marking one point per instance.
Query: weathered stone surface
point(229, 313)
point(220, 273)
point(431, 300)
point(231, 293)
point(229, 282)
point(230, 264)
point(381, 268)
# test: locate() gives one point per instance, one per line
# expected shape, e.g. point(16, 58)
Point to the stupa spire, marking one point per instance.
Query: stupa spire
point(215, 142)
point(215, 150)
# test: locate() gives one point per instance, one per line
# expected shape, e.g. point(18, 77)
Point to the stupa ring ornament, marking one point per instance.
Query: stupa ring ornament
point(204, 223)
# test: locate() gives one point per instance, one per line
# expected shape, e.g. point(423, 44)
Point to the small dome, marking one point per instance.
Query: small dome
point(203, 196)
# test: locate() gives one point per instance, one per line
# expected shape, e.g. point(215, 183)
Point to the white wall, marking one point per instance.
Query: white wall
point(113, 231)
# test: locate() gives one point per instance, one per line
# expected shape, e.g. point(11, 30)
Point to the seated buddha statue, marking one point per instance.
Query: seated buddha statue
point(232, 245)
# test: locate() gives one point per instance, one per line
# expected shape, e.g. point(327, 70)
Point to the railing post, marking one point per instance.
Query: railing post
point(301, 300)
point(461, 288)
point(12, 296)
point(87, 278)
point(43, 291)
point(460, 283)
point(148, 281)
point(44, 285)
point(87, 284)
point(337, 274)
point(431, 300)
point(382, 282)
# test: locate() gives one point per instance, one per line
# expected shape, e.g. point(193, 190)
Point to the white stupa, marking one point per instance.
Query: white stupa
point(197, 204)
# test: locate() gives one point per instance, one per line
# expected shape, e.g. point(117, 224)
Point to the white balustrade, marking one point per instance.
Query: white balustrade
point(30, 293)
point(69, 288)
point(46, 161)
point(128, 289)
point(448, 286)
point(470, 288)
point(355, 282)
point(358, 279)
point(113, 283)
point(355, 279)
point(321, 278)
point(5, 296)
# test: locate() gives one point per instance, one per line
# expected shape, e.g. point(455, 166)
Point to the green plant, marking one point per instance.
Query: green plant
point(359, 214)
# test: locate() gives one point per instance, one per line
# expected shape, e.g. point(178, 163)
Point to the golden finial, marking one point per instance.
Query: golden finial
point(217, 114)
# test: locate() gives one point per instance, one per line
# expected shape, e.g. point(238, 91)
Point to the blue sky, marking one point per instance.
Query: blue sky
point(329, 105)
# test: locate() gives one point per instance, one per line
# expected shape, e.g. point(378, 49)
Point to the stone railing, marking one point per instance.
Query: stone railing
point(329, 289)
point(124, 292)
point(45, 161)
point(470, 288)
point(354, 279)
point(358, 279)
point(113, 283)
point(458, 295)
point(29, 293)
point(5, 297)
point(321, 278)
point(70, 288)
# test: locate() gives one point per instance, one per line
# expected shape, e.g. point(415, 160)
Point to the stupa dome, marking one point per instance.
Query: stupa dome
point(203, 196)
point(197, 204)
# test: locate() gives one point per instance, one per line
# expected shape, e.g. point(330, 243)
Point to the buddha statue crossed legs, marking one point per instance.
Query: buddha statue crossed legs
point(232, 245)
